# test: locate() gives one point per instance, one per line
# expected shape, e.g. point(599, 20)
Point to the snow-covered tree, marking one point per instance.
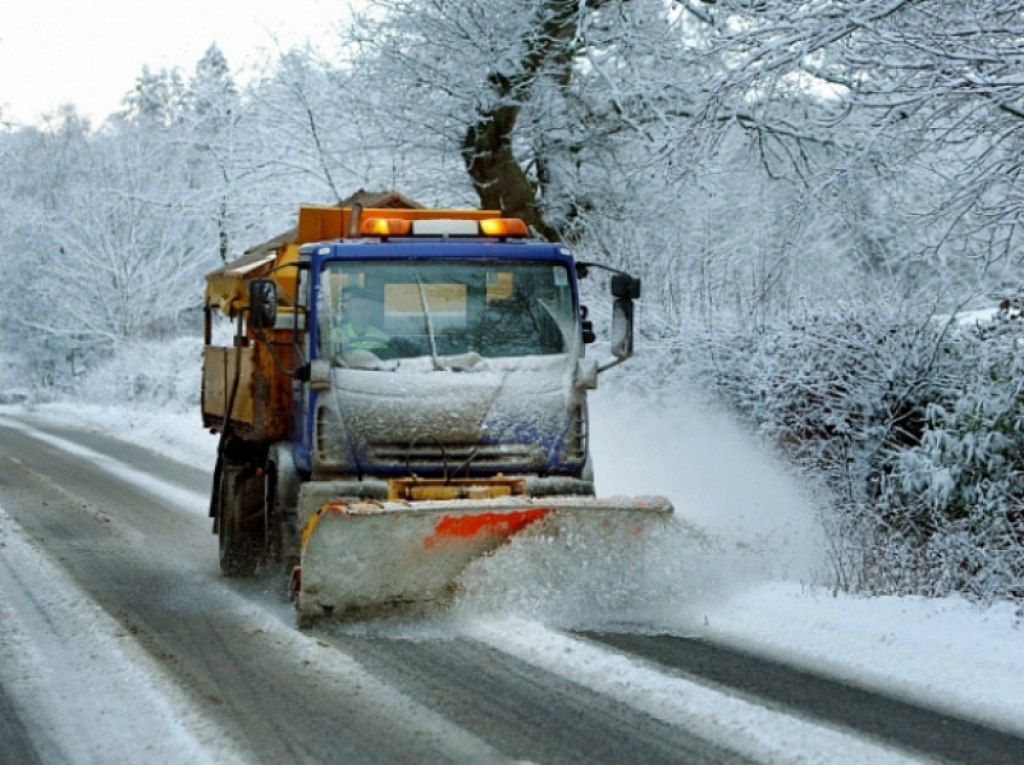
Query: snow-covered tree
point(125, 250)
point(156, 99)
point(934, 90)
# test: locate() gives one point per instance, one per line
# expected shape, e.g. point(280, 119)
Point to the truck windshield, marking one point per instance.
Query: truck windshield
point(400, 309)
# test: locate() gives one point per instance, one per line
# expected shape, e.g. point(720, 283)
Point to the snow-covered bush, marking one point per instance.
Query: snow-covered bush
point(836, 392)
point(158, 373)
point(956, 499)
point(914, 424)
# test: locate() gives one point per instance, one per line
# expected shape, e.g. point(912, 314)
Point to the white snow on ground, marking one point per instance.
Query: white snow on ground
point(951, 655)
point(758, 732)
point(944, 653)
point(88, 693)
point(177, 435)
point(150, 484)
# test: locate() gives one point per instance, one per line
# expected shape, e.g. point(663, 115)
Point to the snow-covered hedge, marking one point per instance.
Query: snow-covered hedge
point(914, 424)
point(957, 497)
point(162, 374)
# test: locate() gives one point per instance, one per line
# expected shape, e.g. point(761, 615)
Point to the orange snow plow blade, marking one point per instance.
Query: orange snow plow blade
point(372, 556)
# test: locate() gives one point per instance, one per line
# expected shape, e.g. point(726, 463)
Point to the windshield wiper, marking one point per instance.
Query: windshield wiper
point(428, 320)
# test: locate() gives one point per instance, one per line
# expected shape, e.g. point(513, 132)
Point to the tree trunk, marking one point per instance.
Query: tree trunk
point(499, 179)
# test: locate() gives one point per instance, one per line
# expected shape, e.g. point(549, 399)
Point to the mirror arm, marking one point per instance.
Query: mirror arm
point(623, 284)
point(613, 363)
point(602, 266)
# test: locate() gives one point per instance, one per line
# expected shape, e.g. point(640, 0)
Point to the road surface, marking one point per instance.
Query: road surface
point(128, 530)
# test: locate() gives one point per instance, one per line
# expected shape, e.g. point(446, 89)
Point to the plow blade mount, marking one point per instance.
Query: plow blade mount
point(378, 555)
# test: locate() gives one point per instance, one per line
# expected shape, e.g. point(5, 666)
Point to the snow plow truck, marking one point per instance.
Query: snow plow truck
point(404, 390)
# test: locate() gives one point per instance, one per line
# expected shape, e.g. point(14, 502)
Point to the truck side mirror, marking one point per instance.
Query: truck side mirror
point(626, 287)
point(622, 328)
point(262, 304)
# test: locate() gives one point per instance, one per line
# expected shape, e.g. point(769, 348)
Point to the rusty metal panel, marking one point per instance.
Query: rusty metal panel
point(218, 379)
point(262, 407)
point(272, 387)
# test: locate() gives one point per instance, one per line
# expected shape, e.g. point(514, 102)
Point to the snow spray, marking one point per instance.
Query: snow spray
point(739, 519)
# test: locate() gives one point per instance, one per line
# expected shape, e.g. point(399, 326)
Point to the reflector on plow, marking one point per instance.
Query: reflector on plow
point(369, 556)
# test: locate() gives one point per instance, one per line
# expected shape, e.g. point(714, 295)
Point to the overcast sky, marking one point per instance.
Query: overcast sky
point(90, 52)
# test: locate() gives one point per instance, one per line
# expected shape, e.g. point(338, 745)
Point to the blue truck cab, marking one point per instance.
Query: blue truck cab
point(443, 353)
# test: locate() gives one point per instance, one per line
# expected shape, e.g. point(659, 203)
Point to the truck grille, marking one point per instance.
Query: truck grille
point(431, 453)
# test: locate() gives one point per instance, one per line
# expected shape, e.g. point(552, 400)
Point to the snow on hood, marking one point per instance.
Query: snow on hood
point(524, 401)
point(454, 406)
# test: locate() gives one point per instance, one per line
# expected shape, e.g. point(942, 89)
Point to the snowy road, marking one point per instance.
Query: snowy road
point(120, 642)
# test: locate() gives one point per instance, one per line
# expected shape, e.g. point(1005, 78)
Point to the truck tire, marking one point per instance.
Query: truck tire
point(282, 492)
point(241, 527)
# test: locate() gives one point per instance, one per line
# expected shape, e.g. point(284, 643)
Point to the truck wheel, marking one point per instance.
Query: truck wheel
point(282, 544)
point(240, 523)
point(282, 495)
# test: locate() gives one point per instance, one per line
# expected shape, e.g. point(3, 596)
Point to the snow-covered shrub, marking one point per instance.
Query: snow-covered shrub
point(836, 392)
point(160, 373)
point(956, 499)
point(916, 427)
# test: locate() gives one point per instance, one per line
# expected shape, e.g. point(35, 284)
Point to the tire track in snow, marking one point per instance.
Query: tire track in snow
point(164, 491)
point(755, 731)
point(86, 692)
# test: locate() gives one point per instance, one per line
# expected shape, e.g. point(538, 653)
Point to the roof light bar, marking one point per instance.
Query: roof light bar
point(385, 227)
point(500, 228)
point(503, 227)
